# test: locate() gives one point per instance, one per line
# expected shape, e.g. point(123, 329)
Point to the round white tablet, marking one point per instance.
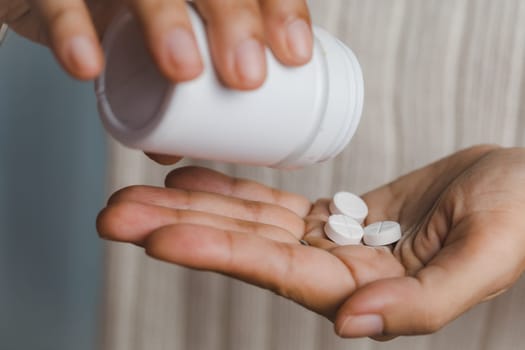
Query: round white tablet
point(343, 230)
point(349, 204)
point(382, 233)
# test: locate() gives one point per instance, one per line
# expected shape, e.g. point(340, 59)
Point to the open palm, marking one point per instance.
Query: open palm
point(463, 241)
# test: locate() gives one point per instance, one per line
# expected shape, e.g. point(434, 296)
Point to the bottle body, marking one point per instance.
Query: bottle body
point(299, 116)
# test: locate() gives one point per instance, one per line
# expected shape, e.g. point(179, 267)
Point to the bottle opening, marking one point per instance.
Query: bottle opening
point(134, 87)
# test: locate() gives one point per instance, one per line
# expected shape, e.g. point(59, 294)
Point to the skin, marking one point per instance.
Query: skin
point(56, 23)
point(72, 29)
point(463, 241)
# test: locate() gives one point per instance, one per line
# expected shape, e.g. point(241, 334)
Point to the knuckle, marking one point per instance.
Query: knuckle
point(228, 9)
point(159, 12)
point(64, 14)
point(283, 15)
point(284, 11)
point(247, 8)
point(58, 15)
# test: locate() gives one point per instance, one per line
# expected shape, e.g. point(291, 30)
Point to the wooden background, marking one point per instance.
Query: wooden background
point(440, 75)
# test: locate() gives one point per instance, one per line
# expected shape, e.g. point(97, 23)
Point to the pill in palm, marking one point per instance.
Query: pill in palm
point(343, 230)
point(382, 233)
point(349, 204)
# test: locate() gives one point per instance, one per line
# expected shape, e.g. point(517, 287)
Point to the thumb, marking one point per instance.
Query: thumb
point(472, 265)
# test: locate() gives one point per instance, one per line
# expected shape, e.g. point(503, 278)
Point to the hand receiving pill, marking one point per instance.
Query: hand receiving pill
point(462, 242)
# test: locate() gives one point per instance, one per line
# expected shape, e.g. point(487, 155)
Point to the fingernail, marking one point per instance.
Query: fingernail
point(249, 61)
point(83, 54)
point(300, 39)
point(361, 326)
point(181, 48)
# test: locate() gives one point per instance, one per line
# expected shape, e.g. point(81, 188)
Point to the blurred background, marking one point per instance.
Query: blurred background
point(52, 183)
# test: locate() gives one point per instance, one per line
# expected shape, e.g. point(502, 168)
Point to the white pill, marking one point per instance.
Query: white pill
point(382, 233)
point(349, 204)
point(343, 230)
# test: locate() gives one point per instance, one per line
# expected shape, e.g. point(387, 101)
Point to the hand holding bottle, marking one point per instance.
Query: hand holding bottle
point(238, 32)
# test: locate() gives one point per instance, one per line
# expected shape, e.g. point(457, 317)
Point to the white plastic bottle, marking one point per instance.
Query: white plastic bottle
point(300, 116)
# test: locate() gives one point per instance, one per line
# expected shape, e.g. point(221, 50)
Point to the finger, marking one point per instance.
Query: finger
point(317, 218)
point(460, 276)
point(163, 159)
point(290, 270)
point(288, 30)
point(246, 210)
point(133, 222)
point(369, 264)
point(71, 35)
point(169, 35)
point(236, 40)
point(315, 222)
point(24, 20)
point(207, 180)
